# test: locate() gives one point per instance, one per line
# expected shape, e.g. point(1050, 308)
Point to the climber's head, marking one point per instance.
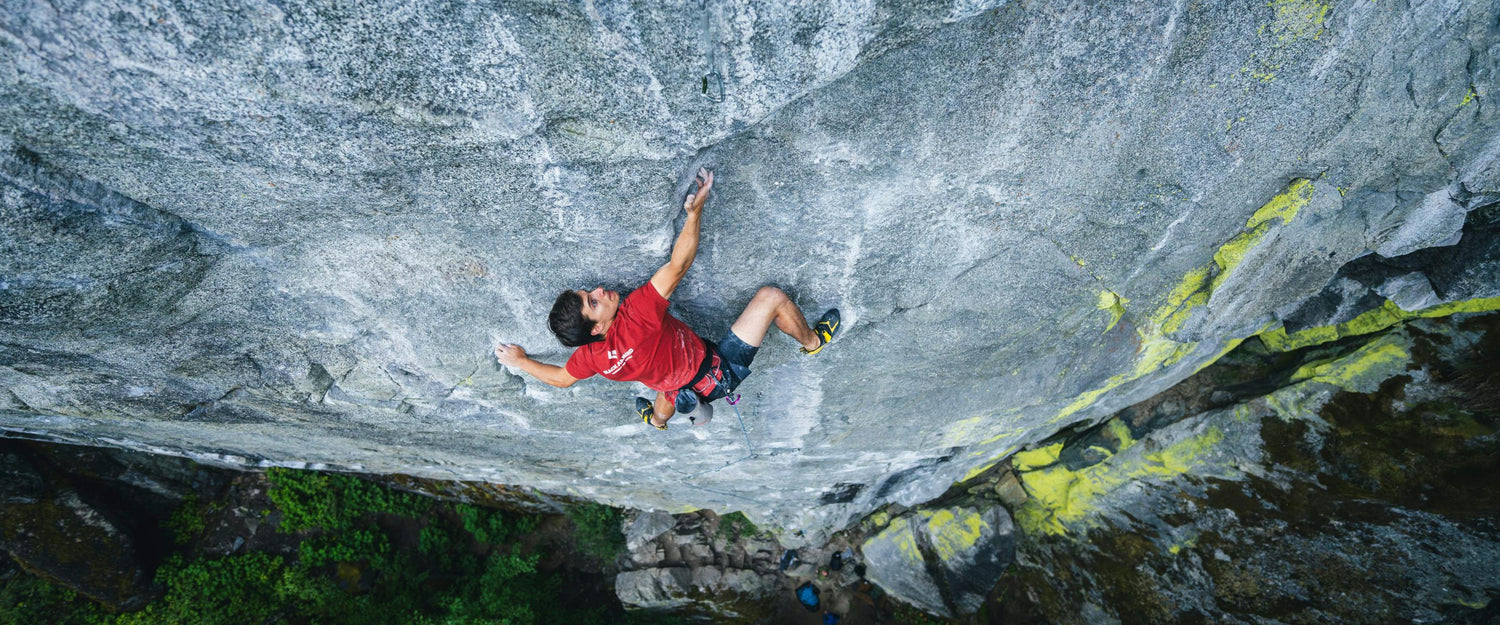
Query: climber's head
point(582, 317)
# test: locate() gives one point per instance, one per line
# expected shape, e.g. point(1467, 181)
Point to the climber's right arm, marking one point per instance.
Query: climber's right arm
point(513, 355)
point(685, 249)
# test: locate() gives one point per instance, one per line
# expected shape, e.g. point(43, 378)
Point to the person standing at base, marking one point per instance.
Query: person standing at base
point(636, 339)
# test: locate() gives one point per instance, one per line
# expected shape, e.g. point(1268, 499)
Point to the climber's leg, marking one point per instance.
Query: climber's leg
point(657, 413)
point(771, 305)
point(663, 408)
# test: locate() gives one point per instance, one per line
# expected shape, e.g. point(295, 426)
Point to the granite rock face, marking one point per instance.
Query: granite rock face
point(1339, 484)
point(945, 560)
point(289, 233)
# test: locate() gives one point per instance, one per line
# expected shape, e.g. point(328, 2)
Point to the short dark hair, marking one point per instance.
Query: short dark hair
point(568, 323)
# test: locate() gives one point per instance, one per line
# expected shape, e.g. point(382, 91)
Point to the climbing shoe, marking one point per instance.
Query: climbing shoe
point(827, 326)
point(643, 408)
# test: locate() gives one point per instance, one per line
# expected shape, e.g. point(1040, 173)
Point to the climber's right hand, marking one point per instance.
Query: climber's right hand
point(510, 354)
point(694, 203)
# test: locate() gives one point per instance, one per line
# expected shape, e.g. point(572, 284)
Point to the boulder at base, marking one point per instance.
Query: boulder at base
point(943, 561)
point(53, 532)
point(706, 590)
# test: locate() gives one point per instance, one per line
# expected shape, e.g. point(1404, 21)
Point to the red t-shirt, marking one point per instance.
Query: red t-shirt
point(644, 344)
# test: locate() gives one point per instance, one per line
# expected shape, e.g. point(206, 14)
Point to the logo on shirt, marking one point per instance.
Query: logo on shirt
point(619, 365)
point(613, 355)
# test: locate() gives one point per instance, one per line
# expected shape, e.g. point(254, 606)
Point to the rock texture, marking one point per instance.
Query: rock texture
point(289, 233)
point(88, 519)
point(1340, 483)
point(694, 564)
point(944, 560)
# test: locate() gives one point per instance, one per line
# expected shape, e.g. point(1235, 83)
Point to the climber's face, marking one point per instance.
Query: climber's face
point(600, 306)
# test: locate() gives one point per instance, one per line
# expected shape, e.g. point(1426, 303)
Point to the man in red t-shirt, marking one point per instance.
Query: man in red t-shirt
point(638, 340)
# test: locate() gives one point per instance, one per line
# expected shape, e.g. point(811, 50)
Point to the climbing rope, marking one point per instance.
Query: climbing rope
point(734, 401)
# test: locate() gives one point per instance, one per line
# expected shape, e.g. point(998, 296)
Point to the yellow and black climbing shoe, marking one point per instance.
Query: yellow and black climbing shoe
point(643, 408)
point(827, 326)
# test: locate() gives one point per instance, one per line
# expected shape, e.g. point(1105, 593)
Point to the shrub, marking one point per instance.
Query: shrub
point(487, 526)
point(440, 581)
point(26, 600)
point(736, 524)
point(249, 588)
point(333, 502)
point(597, 530)
point(348, 546)
point(186, 522)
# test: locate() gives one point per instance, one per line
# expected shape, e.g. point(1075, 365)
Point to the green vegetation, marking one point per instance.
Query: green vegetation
point(333, 502)
point(186, 521)
point(736, 524)
point(365, 554)
point(598, 530)
point(27, 600)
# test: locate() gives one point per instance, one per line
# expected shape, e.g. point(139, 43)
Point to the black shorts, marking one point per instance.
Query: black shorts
point(738, 355)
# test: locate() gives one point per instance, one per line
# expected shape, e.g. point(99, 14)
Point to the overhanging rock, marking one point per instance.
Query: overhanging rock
point(291, 234)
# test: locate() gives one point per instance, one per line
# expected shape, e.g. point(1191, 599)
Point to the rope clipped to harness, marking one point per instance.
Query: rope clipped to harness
point(734, 402)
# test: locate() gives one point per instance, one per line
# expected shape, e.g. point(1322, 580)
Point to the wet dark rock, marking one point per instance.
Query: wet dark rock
point(91, 519)
point(20, 483)
point(75, 544)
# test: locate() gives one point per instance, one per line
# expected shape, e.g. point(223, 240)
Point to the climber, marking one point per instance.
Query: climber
point(636, 339)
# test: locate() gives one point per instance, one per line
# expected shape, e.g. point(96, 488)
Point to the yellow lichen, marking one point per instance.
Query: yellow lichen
point(963, 431)
point(1060, 497)
point(1284, 207)
point(1177, 548)
point(899, 533)
point(1346, 372)
point(1036, 458)
point(1387, 315)
point(1298, 19)
point(1112, 302)
point(953, 534)
point(1468, 98)
point(1181, 300)
point(1156, 349)
point(993, 460)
